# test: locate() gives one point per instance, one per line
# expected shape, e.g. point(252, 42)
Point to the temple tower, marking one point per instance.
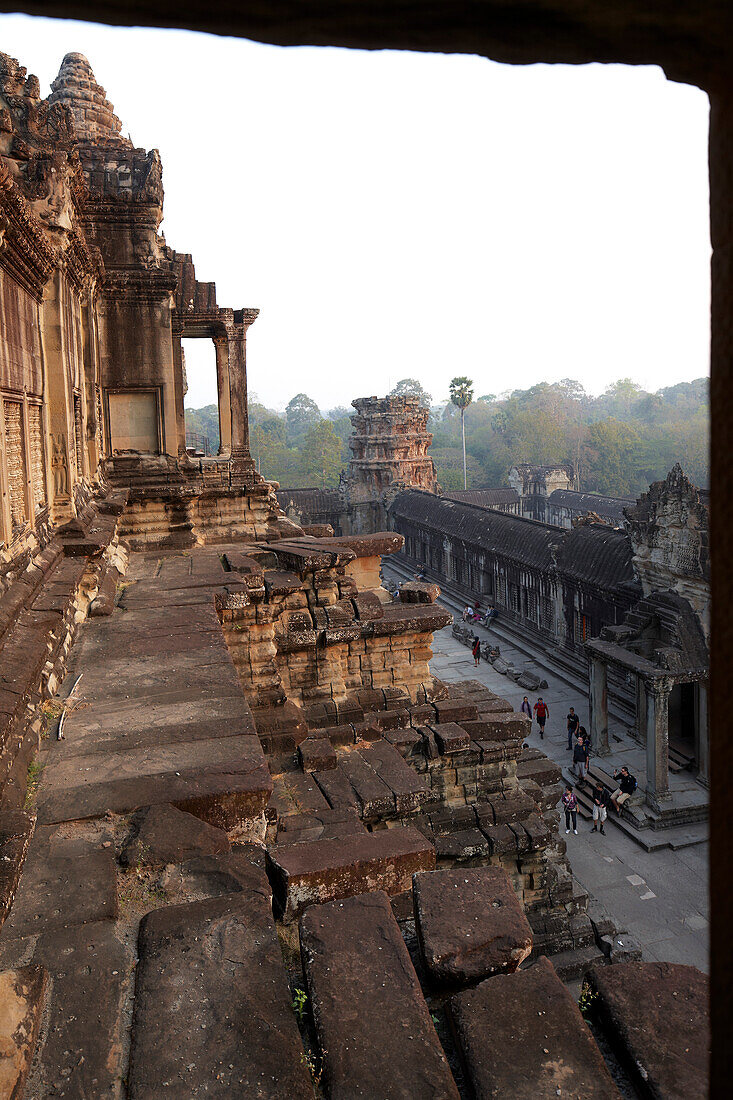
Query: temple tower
point(389, 446)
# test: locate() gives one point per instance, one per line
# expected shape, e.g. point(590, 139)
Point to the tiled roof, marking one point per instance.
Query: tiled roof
point(582, 503)
point(485, 498)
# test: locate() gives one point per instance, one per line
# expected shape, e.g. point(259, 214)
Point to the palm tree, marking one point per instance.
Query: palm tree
point(461, 394)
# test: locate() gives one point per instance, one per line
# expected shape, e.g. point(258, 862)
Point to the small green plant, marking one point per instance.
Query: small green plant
point(586, 999)
point(312, 1064)
point(33, 780)
point(300, 1001)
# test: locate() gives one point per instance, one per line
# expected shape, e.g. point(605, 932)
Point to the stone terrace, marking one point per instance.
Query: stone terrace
point(200, 915)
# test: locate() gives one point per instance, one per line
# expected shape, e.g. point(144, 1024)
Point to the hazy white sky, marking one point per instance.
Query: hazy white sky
point(419, 215)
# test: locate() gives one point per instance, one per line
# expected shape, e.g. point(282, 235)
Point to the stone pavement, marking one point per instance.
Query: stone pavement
point(659, 898)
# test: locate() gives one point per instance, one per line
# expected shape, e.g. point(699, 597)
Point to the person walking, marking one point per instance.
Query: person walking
point(600, 807)
point(581, 756)
point(573, 726)
point(570, 805)
point(476, 650)
point(526, 708)
point(542, 713)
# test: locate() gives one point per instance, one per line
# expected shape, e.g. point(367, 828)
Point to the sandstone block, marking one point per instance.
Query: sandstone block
point(212, 1012)
point(168, 835)
point(469, 923)
point(657, 1015)
point(379, 1040)
point(303, 874)
point(317, 754)
point(536, 1047)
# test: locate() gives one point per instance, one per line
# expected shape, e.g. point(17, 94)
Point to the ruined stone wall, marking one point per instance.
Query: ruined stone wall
point(306, 630)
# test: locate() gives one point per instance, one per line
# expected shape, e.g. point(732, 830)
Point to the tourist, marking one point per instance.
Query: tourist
point(526, 708)
point(600, 804)
point(542, 713)
point(490, 616)
point(570, 803)
point(476, 650)
point(573, 726)
point(626, 786)
point(467, 613)
point(581, 756)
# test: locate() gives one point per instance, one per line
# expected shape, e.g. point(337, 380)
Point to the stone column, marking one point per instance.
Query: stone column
point(640, 709)
point(179, 395)
point(598, 704)
point(237, 337)
point(221, 346)
point(702, 735)
point(657, 742)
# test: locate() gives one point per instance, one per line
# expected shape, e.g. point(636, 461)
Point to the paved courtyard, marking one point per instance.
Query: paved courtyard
point(660, 897)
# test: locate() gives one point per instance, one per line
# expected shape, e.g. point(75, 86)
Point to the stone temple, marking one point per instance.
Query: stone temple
point(251, 846)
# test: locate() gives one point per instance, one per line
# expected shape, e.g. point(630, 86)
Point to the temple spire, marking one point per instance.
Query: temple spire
point(94, 117)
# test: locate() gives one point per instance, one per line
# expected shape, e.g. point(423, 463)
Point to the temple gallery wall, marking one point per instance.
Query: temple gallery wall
point(229, 781)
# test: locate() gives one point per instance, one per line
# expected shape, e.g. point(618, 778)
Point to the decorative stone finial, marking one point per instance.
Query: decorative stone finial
point(94, 117)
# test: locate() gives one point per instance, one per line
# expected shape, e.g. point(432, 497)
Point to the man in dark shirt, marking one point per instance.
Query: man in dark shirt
point(626, 787)
point(573, 723)
point(600, 807)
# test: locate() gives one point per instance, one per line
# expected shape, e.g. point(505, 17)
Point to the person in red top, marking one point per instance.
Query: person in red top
point(542, 713)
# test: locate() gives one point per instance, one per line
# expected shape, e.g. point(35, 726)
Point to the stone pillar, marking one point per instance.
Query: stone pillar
point(640, 709)
point(179, 395)
point(237, 340)
point(657, 742)
point(598, 704)
point(702, 734)
point(221, 346)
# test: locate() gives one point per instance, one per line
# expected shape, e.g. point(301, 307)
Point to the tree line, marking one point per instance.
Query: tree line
point(617, 442)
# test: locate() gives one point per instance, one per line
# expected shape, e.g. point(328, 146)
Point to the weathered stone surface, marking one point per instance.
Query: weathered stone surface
point(64, 883)
point(316, 754)
point(16, 829)
point(409, 789)
point(451, 737)
point(22, 994)
point(212, 1010)
point(379, 1040)
point(167, 835)
point(657, 1014)
point(302, 874)
point(522, 1035)
point(210, 876)
point(82, 1055)
point(224, 781)
point(418, 592)
point(470, 923)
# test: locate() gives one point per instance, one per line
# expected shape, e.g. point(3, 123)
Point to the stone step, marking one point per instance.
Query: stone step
point(212, 1013)
point(522, 1036)
point(469, 923)
point(373, 1024)
point(304, 874)
point(657, 1017)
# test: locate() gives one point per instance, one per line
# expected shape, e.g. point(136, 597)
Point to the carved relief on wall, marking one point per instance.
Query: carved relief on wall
point(60, 467)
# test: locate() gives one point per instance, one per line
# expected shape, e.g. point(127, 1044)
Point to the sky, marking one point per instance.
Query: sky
point(402, 215)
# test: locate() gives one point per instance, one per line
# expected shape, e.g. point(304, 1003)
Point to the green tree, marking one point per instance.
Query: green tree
point(300, 414)
point(321, 453)
point(410, 387)
point(461, 395)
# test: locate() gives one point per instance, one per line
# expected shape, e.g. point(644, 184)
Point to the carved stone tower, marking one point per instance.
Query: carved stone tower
point(389, 446)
